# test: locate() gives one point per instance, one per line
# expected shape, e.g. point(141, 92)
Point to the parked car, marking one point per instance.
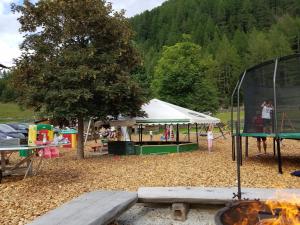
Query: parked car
point(21, 128)
point(11, 132)
point(3, 136)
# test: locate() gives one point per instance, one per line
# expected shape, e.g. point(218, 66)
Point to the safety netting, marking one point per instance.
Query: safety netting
point(271, 93)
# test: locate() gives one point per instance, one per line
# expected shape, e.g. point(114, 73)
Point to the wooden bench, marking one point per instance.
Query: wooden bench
point(205, 195)
point(94, 208)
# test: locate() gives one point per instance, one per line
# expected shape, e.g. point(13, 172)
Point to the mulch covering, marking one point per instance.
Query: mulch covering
point(65, 178)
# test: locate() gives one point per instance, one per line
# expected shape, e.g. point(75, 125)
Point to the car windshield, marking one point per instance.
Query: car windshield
point(6, 128)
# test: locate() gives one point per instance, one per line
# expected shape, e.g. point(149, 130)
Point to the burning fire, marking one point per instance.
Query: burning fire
point(285, 210)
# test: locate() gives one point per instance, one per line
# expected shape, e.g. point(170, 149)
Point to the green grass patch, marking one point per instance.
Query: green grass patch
point(11, 112)
point(225, 117)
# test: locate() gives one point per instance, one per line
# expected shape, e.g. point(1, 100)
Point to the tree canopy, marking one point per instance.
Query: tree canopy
point(182, 77)
point(77, 59)
point(237, 34)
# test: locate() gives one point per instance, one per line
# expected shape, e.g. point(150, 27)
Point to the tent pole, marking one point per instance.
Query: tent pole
point(197, 137)
point(141, 134)
point(189, 138)
point(166, 138)
point(177, 133)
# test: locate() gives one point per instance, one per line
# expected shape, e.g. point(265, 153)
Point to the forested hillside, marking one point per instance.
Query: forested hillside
point(231, 35)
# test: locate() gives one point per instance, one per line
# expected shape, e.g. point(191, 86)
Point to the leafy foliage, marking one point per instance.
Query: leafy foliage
point(77, 60)
point(182, 77)
point(236, 33)
point(7, 93)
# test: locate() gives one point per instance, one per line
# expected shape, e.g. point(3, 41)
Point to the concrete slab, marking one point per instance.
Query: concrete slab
point(94, 208)
point(205, 195)
point(157, 214)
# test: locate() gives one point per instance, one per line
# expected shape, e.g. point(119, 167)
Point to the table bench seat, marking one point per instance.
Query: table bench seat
point(94, 208)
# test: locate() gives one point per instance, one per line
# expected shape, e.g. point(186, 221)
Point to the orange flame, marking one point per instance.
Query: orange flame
point(283, 208)
point(287, 208)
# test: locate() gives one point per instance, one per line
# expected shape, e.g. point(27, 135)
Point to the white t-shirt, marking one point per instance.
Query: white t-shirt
point(210, 135)
point(266, 112)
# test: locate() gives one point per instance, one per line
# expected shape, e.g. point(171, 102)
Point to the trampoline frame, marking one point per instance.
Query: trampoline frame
point(237, 137)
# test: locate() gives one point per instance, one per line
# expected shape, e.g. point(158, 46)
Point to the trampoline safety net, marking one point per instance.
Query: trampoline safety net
point(273, 107)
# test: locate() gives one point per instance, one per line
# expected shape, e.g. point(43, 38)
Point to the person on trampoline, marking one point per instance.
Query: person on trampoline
point(259, 126)
point(267, 109)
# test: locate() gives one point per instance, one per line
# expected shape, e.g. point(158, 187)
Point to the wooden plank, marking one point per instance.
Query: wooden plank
point(94, 208)
point(194, 195)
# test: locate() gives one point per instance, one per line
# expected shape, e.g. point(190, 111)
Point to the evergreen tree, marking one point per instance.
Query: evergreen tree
point(228, 69)
point(259, 48)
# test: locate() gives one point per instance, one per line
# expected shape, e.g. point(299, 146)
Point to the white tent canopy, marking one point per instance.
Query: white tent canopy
point(160, 112)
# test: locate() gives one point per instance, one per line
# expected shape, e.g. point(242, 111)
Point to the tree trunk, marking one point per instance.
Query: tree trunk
point(80, 146)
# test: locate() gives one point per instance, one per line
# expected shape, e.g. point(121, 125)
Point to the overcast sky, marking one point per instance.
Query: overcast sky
point(10, 37)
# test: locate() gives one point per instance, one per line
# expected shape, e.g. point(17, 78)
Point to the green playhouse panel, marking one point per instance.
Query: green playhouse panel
point(156, 149)
point(164, 149)
point(188, 147)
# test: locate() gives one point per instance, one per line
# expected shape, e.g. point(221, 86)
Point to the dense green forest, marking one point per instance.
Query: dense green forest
point(193, 51)
point(7, 93)
point(230, 35)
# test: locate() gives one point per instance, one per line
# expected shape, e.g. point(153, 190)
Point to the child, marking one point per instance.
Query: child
point(210, 137)
point(151, 135)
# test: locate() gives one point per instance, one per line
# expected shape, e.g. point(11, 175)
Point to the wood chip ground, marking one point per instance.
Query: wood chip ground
point(65, 178)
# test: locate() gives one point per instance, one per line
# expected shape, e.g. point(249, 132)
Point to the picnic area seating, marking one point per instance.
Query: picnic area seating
point(94, 208)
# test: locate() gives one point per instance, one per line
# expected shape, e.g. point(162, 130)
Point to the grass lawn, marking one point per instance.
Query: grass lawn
point(11, 112)
point(226, 116)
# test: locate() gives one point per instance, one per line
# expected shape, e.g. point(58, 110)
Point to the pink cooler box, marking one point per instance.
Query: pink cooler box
point(49, 152)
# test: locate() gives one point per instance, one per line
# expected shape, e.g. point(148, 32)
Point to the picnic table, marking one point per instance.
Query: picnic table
point(33, 153)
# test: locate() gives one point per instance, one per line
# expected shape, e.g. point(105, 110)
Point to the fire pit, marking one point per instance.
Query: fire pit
point(259, 213)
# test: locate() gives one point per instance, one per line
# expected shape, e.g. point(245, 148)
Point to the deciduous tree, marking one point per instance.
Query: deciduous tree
point(76, 61)
point(183, 77)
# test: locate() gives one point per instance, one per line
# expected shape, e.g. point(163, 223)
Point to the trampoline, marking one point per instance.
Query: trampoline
point(271, 95)
point(273, 86)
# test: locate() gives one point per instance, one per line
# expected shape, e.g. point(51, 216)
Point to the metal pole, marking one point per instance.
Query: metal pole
point(141, 134)
point(274, 146)
point(238, 138)
point(231, 124)
point(189, 138)
point(241, 149)
point(165, 133)
point(238, 164)
point(247, 147)
point(279, 156)
point(275, 99)
point(140, 141)
point(88, 131)
point(177, 133)
point(275, 118)
point(197, 137)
